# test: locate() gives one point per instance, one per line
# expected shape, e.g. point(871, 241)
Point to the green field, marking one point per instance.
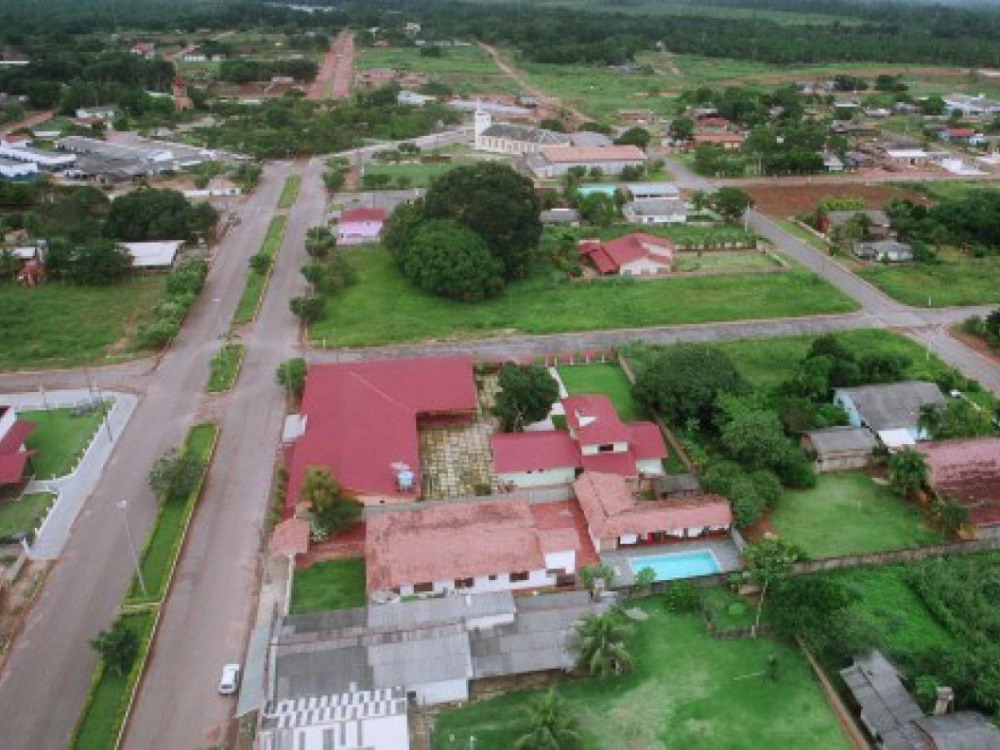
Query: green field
point(806, 236)
point(22, 515)
point(334, 584)
point(224, 368)
point(607, 379)
point(102, 716)
point(163, 543)
point(847, 513)
point(256, 283)
point(954, 280)
point(687, 690)
point(59, 439)
point(417, 174)
point(290, 191)
point(683, 235)
point(725, 261)
point(383, 307)
point(64, 325)
point(765, 363)
point(467, 70)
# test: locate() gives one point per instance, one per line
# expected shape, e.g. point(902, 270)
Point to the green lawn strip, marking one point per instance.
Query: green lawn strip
point(65, 325)
point(24, 514)
point(847, 513)
point(606, 378)
point(728, 610)
point(290, 191)
point(803, 234)
point(334, 584)
point(686, 690)
point(953, 280)
point(60, 439)
point(419, 175)
point(383, 307)
point(724, 261)
point(256, 283)
point(225, 368)
point(765, 363)
point(683, 235)
point(107, 701)
point(167, 535)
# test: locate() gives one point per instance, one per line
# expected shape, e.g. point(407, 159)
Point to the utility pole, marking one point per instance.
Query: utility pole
point(123, 505)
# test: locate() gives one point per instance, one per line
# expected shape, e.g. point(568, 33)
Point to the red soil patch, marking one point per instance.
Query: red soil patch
point(783, 201)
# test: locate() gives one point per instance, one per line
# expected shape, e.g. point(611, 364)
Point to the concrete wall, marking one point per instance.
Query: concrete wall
point(843, 462)
point(483, 584)
point(643, 267)
point(541, 478)
point(593, 450)
point(650, 467)
point(433, 693)
point(565, 560)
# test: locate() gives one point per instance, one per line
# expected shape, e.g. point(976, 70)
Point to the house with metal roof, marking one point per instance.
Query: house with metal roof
point(839, 448)
point(551, 162)
point(633, 254)
point(885, 251)
point(890, 410)
point(655, 211)
point(967, 471)
point(514, 140)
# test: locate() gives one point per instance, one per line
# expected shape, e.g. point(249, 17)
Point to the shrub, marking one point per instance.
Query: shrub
point(260, 263)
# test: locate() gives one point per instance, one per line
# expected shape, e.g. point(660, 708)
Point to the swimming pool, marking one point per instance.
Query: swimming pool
point(678, 565)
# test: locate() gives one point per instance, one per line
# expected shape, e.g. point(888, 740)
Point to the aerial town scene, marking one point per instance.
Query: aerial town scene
point(500, 375)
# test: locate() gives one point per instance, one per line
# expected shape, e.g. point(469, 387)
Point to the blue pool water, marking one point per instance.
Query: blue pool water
point(677, 565)
point(608, 190)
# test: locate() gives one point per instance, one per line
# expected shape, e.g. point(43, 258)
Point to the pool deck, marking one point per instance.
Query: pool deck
point(724, 550)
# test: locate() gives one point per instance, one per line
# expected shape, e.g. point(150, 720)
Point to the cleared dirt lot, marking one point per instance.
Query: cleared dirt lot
point(783, 201)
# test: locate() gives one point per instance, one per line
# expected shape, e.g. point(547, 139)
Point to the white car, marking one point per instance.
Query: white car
point(230, 679)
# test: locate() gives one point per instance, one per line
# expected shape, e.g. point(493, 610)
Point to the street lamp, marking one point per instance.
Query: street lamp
point(123, 504)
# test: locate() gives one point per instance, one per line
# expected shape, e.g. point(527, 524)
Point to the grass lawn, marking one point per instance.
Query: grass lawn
point(467, 70)
point(22, 515)
point(59, 439)
point(418, 174)
point(847, 513)
point(104, 711)
point(256, 283)
point(383, 307)
point(767, 362)
point(687, 690)
point(334, 584)
point(725, 261)
point(803, 234)
point(225, 368)
point(607, 379)
point(955, 280)
point(683, 235)
point(163, 543)
point(64, 325)
point(290, 191)
point(729, 611)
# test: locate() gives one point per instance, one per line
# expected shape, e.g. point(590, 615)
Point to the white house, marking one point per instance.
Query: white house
point(971, 106)
point(892, 410)
point(515, 140)
point(17, 170)
point(634, 254)
point(884, 251)
point(413, 98)
point(49, 160)
point(100, 113)
point(152, 256)
point(655, 211)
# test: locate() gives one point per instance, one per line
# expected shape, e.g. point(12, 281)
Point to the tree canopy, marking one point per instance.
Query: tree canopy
point(526, 395)
point(449, 260)
point(154, 214)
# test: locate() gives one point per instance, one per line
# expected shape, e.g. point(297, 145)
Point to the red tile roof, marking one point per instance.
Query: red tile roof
point(717, 138)
point(459, 540)
point(960, 132)
point(594, 420)
point(290, 537)
point(646, 441)
point(362, 214)
point(612, 255)
point(362, 417)
point(516, 452)
point(13, 439)
point(612, 510)
point(574, 154)
point(12, 466)
point(968, 471)
point(620, 464)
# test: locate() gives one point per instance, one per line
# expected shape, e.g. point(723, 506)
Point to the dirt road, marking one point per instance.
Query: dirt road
point(333, 81)
point(28, 122)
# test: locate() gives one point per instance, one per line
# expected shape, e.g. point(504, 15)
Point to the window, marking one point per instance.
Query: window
point(423, 588)
point(465, 583)
point(518, 577)
point(494, 577)
point(606, 448)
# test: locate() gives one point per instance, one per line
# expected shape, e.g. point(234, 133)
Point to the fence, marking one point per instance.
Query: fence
point(532, 495)
point(915, 554)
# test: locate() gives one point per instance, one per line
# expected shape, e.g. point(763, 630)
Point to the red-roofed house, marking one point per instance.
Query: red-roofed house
point(357, 226)
point(145, 50)
point(726, 141)
point(961, 135)
point(967, 471)
point(359, 420)
point(597, 440)
point(616, 518)
point(14, 457)
point(474, 547)
point(635, 254)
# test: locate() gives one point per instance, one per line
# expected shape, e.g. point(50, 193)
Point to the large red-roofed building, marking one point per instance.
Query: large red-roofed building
point(360, 420)
point(967, 471)
point(14, 457)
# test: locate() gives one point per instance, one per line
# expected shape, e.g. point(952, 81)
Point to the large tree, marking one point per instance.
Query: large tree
point(449, 260)
point(154, 214)
point(907, 471)
point(526, 395)
point(497, 203)
point(175, 475)
point(683, 382)
point(333, 508)
point(768, 562)
point(118, 647)
point(552, 726)
point(731, 203)
point(600, 644)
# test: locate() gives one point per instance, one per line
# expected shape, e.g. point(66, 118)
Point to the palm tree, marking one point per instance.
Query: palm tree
point(553, 727)
point(699, 199)
point(907, 471)
point(600, 645)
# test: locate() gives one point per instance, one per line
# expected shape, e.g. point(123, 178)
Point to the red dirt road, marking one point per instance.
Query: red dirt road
point(337, 71)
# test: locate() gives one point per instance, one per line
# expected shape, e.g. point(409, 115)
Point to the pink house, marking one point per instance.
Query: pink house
point(360, 225)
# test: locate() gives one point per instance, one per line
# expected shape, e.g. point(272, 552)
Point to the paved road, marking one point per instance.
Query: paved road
point(47, 675)
point(207, 618)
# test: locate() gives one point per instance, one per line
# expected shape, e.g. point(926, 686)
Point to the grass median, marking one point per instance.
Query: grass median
point(290, 191)
point(108, 699)
point(164, 542)
point(256, 283)
point(225, 368)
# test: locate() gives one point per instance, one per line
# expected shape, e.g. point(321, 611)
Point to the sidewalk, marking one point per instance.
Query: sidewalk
point(73, 489)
